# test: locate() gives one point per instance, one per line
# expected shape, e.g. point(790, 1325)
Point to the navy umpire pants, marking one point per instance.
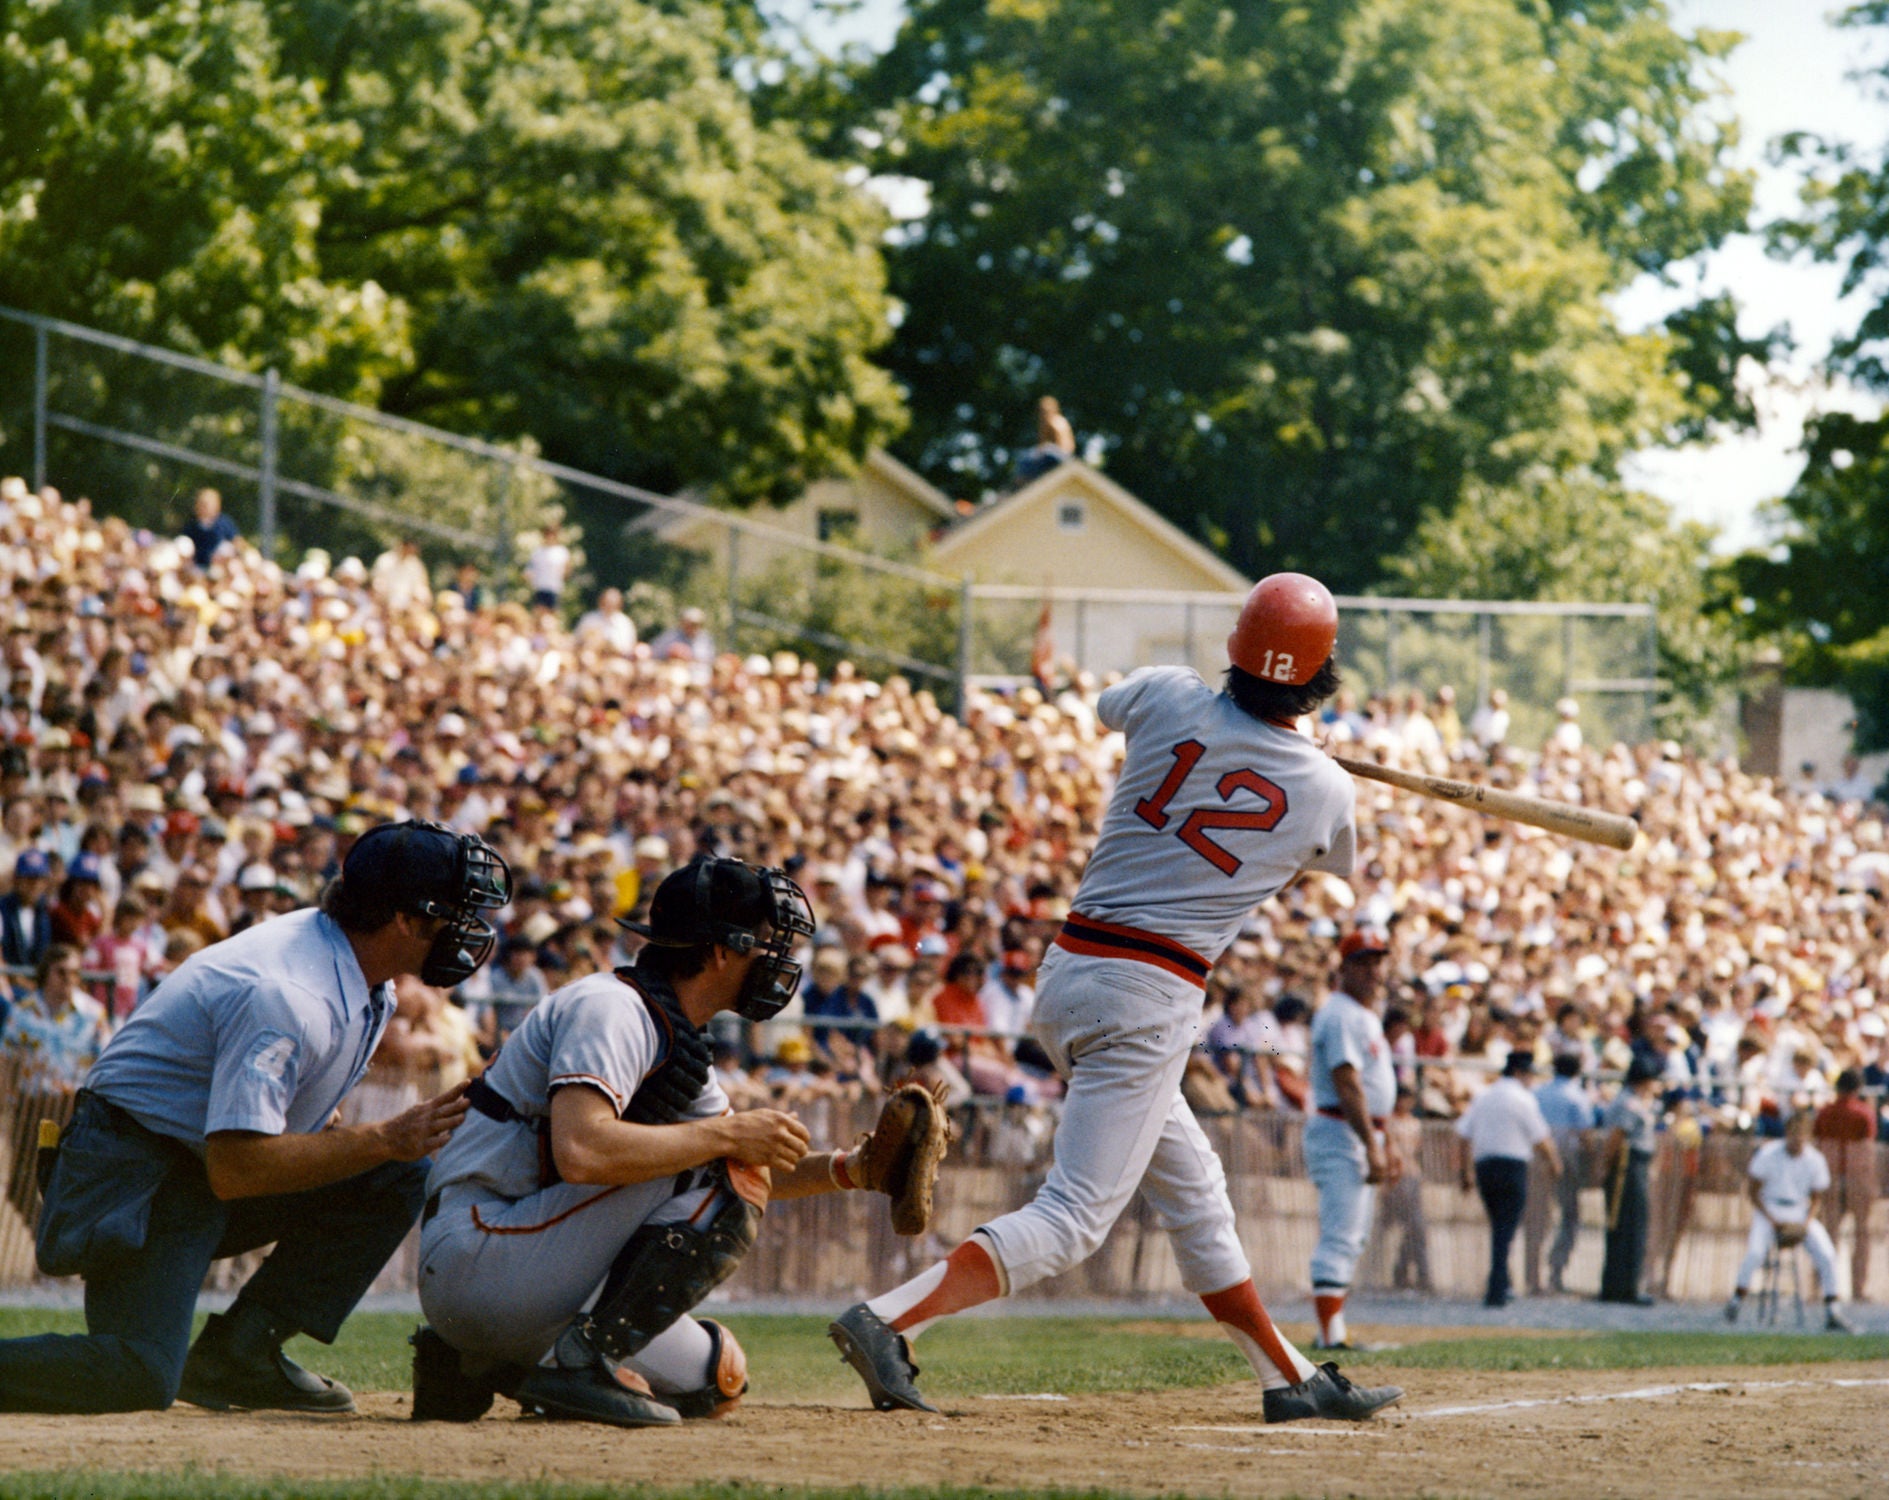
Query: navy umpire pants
point(1503, 1183)
point(331, 1243)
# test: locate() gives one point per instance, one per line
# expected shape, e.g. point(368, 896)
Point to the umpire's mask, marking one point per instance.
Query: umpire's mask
point(435, 871)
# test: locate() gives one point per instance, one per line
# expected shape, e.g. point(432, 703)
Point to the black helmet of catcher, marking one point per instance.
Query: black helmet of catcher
point(434, 871)
point(743, 908)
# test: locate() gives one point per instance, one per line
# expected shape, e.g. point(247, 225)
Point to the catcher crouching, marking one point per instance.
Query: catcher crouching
point(603, 1187)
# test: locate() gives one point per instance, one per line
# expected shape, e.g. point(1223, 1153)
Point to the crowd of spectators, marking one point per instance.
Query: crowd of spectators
point(190, 734)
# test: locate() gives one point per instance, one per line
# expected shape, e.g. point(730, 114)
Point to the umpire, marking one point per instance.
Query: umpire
point(206, 1130)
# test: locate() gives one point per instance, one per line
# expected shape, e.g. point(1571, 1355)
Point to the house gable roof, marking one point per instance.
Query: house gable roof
point(1073, 475)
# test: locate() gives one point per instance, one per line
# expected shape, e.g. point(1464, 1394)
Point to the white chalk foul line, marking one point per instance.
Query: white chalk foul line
point(1037, 1396)
point(1644, 1393)
point(1277, 1429)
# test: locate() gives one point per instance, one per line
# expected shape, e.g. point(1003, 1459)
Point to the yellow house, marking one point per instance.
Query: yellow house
point(884, 508)
point(1074, 527)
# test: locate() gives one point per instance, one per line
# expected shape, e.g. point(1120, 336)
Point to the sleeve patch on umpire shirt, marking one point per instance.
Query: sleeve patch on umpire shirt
point(271, 1055)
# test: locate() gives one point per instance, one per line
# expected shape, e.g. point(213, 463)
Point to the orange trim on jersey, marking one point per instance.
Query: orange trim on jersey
point(1087, 936)
point(577, 1208)
point(589, 1079)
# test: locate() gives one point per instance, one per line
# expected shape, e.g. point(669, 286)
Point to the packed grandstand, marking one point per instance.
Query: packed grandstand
point(187, 746)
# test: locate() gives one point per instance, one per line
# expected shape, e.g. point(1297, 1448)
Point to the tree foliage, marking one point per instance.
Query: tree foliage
point(555, 218)
point(1307, 273)
point(1823, 589)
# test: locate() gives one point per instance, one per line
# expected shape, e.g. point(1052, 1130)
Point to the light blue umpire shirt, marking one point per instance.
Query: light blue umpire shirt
point(266, 1031)
point(1566, 1105)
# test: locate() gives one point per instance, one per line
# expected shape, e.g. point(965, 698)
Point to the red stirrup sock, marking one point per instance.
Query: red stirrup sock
point(1270, 1353)
point(967, 1276)
point(1331, 1317)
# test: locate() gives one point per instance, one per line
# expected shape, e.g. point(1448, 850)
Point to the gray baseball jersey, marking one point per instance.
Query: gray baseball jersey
point(1214, 813)
point(597, 1032)
point(1344, 1031)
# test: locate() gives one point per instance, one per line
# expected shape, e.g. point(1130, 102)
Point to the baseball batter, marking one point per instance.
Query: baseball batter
point(1786, 1179)
point(1347, 1155)
point(1221, 804)
point(602, 1186)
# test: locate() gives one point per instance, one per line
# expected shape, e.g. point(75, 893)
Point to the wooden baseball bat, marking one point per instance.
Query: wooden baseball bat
point(1565, 818)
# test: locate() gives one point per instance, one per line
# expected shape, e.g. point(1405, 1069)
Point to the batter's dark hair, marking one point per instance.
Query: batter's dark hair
point(356, 910)
point(1281, 700)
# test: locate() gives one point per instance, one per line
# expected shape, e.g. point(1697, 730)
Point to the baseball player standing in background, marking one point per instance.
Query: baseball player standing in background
point(1346, 1153)
point(1221, 804)
point(204, 1131)
point(604, 1170)
point(1786, 1182)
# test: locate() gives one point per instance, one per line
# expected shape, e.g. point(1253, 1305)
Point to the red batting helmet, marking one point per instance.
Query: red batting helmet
point(1286, 629)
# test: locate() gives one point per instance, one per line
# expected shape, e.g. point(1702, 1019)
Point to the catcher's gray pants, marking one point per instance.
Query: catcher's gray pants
point(501, 1278)
point(1120, 1032)
point(1823, 1253)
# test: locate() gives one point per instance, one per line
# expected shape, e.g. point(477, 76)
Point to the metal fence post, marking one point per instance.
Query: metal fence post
point(1187, 631)
point(1082, 634)
point(265, 484)
point(1485, 628)
point(734, 579)
point(39, 406)
point(1390, 648)
point(1567, 656)
point(508, 476)
point(966, 604)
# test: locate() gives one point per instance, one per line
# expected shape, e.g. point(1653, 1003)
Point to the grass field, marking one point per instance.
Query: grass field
point(791, 1358)
point(966, 1360)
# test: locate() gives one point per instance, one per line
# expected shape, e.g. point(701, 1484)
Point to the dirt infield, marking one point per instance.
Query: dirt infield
point(1801, 1430)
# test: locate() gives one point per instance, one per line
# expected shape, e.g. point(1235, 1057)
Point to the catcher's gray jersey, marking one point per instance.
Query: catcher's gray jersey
point(597, 1032)
point(1214, 812)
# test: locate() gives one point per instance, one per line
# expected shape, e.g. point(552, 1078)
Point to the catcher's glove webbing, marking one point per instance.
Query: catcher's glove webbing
point(900, 1155)
point(668, 1094)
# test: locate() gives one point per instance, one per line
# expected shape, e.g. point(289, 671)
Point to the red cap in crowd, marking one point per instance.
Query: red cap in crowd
point(1363, 940)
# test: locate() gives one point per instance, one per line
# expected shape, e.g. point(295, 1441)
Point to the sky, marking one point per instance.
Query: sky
point(1792, 73)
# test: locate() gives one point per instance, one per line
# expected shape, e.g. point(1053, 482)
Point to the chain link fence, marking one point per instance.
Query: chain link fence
point(139, 428)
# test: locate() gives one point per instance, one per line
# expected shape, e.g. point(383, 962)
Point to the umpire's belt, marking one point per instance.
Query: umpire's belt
point(1339, 1114)
point(1095, 939)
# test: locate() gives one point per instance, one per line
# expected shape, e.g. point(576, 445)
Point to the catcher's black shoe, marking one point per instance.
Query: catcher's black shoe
point(586, 1386)
point(882, 1357)
point(237, 1364)
point(1326, 1393)
point(444, 1390)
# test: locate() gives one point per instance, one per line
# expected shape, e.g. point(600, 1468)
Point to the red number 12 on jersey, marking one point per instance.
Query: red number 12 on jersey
point(1193, 829)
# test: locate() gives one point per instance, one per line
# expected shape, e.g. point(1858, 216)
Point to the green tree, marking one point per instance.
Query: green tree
point(556, 219)
point(1305, 273)
point(1822, 589)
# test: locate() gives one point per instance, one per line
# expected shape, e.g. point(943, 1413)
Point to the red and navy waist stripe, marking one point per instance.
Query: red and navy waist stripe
point(1095, 939)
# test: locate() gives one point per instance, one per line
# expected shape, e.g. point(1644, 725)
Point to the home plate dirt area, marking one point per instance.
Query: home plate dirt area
point(1803, 1430)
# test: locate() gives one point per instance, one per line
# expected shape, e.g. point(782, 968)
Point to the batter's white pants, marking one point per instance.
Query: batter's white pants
point(501, 1278)
point(1120, 1032)
point(1336, 1162)
point(1823, 1253)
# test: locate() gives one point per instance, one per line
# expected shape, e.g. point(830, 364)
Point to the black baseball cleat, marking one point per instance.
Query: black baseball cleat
point(882, 1357)
point(237, 1364)
point(585, 1385)
point(1326, 1393)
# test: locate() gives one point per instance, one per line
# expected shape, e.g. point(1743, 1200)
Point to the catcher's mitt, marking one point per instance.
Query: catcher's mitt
point(900, 1155)
point(1791, 1235)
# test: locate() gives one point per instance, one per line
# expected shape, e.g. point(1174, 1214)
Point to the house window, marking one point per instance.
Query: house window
point(838, 525)
point(1071, 515)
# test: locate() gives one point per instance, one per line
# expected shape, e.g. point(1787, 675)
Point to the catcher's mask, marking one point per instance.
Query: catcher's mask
point(435, 871)
point(743, 908)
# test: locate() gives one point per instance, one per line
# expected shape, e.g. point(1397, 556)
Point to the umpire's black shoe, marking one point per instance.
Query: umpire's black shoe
point(1326, 1393)
point(882, 1357)
point(237, 1364)
point(586, 1386)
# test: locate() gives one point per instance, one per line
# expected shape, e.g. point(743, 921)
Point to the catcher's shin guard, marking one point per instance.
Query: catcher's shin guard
point(727, 1378)
point(663, 1270)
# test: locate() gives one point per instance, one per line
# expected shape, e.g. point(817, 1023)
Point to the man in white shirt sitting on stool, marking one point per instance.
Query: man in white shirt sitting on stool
point(1786, 1183)
point(1500, 1129)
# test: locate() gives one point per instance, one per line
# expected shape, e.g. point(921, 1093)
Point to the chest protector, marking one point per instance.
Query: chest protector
point(668, 1094)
